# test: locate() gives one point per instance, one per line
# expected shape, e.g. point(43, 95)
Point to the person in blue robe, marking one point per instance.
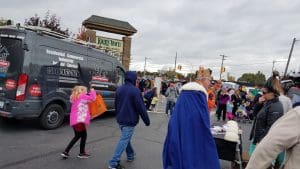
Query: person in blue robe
point(189, 143)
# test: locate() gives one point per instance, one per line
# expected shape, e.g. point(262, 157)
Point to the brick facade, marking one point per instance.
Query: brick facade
point(126, 52)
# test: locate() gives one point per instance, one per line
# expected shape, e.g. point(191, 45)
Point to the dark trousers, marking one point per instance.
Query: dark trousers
point(221, 109)
point(234, 109)
point(170, 107)
point(148, 104)
point(78, 134)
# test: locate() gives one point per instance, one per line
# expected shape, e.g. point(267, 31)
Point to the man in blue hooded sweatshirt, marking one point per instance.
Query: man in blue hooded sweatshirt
point(129, 106)
point(189, 143)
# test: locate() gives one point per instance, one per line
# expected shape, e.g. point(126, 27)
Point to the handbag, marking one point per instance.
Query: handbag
point(97, 107)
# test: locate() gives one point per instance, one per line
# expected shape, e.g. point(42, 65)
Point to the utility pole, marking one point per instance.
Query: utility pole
point(175, 62)
point(273, 65)
point(145, 66)
point(221, 70)
point(175, 66)
point(288, 62)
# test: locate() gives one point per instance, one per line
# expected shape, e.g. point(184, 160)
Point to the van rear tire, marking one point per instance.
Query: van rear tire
point(52, 117)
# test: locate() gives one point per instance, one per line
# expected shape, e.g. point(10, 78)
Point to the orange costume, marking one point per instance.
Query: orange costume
point(211, 99)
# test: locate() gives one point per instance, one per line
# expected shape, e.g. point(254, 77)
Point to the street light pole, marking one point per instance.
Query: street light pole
point(221, 70)
point(288, 62)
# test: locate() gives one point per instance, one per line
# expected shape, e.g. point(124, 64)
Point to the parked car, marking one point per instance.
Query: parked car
point(287, 84)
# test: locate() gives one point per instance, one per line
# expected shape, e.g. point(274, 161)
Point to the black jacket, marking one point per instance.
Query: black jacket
point(268, 114)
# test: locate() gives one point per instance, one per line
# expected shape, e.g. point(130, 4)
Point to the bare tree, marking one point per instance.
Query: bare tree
point(82, 34)
point(50, 21)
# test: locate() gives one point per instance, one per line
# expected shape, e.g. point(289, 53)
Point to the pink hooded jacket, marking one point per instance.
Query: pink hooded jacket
point(80, 109)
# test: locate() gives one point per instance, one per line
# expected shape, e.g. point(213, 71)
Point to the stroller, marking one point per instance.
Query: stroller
point(243, 113)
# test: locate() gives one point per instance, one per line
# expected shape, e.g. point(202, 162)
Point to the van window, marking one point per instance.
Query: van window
point(11, 57)
point(120, 77)
point(101, 68)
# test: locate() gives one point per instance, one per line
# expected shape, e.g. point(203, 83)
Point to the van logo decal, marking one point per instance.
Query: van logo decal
point(10, 84)
point(4, 63)
point(3, 51)
point(100, 78)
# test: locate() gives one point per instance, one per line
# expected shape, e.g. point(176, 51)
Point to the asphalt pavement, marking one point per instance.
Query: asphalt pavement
point(25, 146)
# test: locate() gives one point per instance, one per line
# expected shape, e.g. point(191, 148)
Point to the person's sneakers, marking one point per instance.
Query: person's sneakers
point(130, 160)
point(117, 167)
point(83, 155)
point(65, 154)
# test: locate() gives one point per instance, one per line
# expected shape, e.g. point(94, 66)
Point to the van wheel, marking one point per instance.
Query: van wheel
point(52, 117)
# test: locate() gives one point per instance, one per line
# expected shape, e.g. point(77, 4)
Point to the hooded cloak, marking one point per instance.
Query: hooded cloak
point(189, 143)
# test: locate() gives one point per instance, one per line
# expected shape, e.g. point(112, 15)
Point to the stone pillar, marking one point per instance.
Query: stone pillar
point(91, 34)
point(126, 52)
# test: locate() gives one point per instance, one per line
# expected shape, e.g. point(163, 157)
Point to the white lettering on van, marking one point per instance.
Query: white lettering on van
point(74, 57)
point(53, 52)
point(62, 72)
point(101, 85)
point(65, 60)
point(72, 65)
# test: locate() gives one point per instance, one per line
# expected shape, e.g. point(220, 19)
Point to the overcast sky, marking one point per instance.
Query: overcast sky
point(252, 33)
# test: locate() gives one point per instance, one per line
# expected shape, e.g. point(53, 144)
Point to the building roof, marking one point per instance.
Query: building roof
point(109, 25)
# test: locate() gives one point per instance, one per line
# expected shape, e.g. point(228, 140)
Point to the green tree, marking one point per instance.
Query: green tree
point(230, 78)
point(258, 79)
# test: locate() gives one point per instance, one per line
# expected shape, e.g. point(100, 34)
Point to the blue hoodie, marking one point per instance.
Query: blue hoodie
point(129, 103)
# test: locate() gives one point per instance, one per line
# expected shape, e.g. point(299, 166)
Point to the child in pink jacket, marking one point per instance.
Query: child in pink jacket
point(79, 118)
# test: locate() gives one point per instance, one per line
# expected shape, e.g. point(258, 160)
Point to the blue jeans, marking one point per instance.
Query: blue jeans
point(124, 144)
point(170, 106)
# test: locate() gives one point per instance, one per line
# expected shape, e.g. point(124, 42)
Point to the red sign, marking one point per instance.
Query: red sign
point(10, 84)
point(100, 78)
point(35, 90)
point(4, 63)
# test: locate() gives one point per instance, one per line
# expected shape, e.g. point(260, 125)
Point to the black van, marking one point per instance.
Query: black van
point(38, 69)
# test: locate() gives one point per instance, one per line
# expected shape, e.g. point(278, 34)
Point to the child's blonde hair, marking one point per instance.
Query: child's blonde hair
point(77, 90)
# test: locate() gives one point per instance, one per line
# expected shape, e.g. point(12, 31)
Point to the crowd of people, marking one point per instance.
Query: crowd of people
point(263, 106)
point(189, 143)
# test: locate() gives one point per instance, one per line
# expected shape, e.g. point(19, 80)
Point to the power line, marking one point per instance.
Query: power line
point(259, 64)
